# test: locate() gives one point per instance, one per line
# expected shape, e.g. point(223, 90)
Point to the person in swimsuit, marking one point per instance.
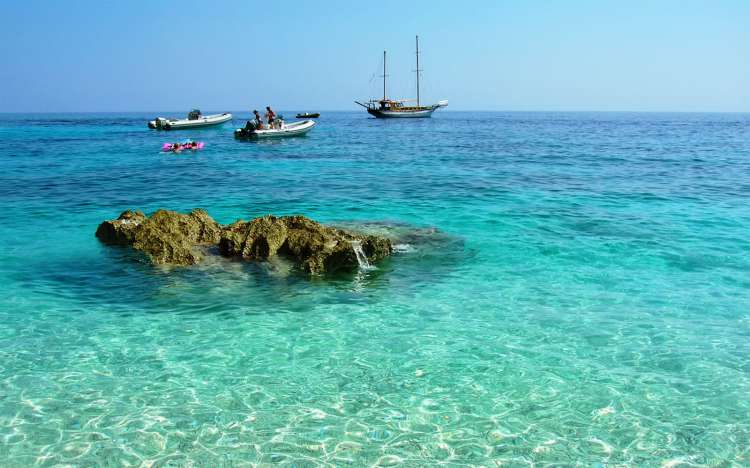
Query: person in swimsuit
point(258, 120)
point(270, 115)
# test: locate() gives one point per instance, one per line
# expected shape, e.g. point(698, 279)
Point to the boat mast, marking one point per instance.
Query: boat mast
point(384, 75)
point(418, 70)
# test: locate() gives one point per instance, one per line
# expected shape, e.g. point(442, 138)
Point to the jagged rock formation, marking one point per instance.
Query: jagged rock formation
point(168, 237)
point(121, 231)
point(315, 248)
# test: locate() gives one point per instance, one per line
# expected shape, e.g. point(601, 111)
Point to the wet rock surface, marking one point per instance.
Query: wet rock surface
point(121, 231)
point(168, 237)
point(316, 248)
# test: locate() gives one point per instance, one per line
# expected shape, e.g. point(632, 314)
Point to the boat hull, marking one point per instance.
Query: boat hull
point(204, 121)
point(386, 114)
point(289, 130)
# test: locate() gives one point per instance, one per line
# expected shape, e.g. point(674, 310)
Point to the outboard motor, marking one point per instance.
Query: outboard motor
point(247, 130)
point(158, 122)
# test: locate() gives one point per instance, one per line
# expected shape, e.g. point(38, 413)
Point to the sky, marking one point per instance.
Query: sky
point(574, 55)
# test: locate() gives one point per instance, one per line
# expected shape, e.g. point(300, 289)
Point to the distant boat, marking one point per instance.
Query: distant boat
point(286, 130)
point(308, 115)
point(396, 108)
point(194, 120)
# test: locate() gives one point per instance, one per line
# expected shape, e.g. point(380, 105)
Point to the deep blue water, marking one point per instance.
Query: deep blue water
point(569, 287)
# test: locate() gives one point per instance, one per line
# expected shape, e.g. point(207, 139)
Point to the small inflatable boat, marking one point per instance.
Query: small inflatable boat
point(285, 130)
point(194, 120)
point(308, 115)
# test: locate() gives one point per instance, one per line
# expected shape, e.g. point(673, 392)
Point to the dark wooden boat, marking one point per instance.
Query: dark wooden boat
point(397, 108)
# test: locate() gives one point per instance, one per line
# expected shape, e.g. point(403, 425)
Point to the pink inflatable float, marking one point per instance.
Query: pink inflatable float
point(193, 145)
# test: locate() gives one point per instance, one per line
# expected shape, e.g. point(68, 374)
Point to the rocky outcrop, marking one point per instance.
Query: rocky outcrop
point(168, 237)
point(314, 247)
point(121, 231)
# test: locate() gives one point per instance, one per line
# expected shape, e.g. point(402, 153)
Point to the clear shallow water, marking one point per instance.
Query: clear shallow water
point(584, 297)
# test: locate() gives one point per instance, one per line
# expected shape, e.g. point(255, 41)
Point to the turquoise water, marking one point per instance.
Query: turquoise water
point(568, 288)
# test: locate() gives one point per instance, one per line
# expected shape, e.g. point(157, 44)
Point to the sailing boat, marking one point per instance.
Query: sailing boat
point(390, 108)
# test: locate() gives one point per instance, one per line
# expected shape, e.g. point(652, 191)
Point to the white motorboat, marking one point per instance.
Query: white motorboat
point(194, 120)
point(281, 130)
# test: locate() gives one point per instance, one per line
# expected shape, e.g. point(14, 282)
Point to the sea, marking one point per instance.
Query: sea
point(567, 289)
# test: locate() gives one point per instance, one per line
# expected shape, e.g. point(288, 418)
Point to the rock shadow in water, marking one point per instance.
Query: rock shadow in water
point(125, 281)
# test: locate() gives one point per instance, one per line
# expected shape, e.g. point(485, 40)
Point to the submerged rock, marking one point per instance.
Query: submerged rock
point(168, 237)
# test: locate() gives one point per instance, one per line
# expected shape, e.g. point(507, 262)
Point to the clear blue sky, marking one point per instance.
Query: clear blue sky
point(513, 55)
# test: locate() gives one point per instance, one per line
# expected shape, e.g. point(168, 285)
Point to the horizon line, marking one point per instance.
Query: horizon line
point(442, 111)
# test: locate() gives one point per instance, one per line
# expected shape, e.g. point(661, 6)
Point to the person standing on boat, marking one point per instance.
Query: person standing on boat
point(270, 115)
point(258, 119)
